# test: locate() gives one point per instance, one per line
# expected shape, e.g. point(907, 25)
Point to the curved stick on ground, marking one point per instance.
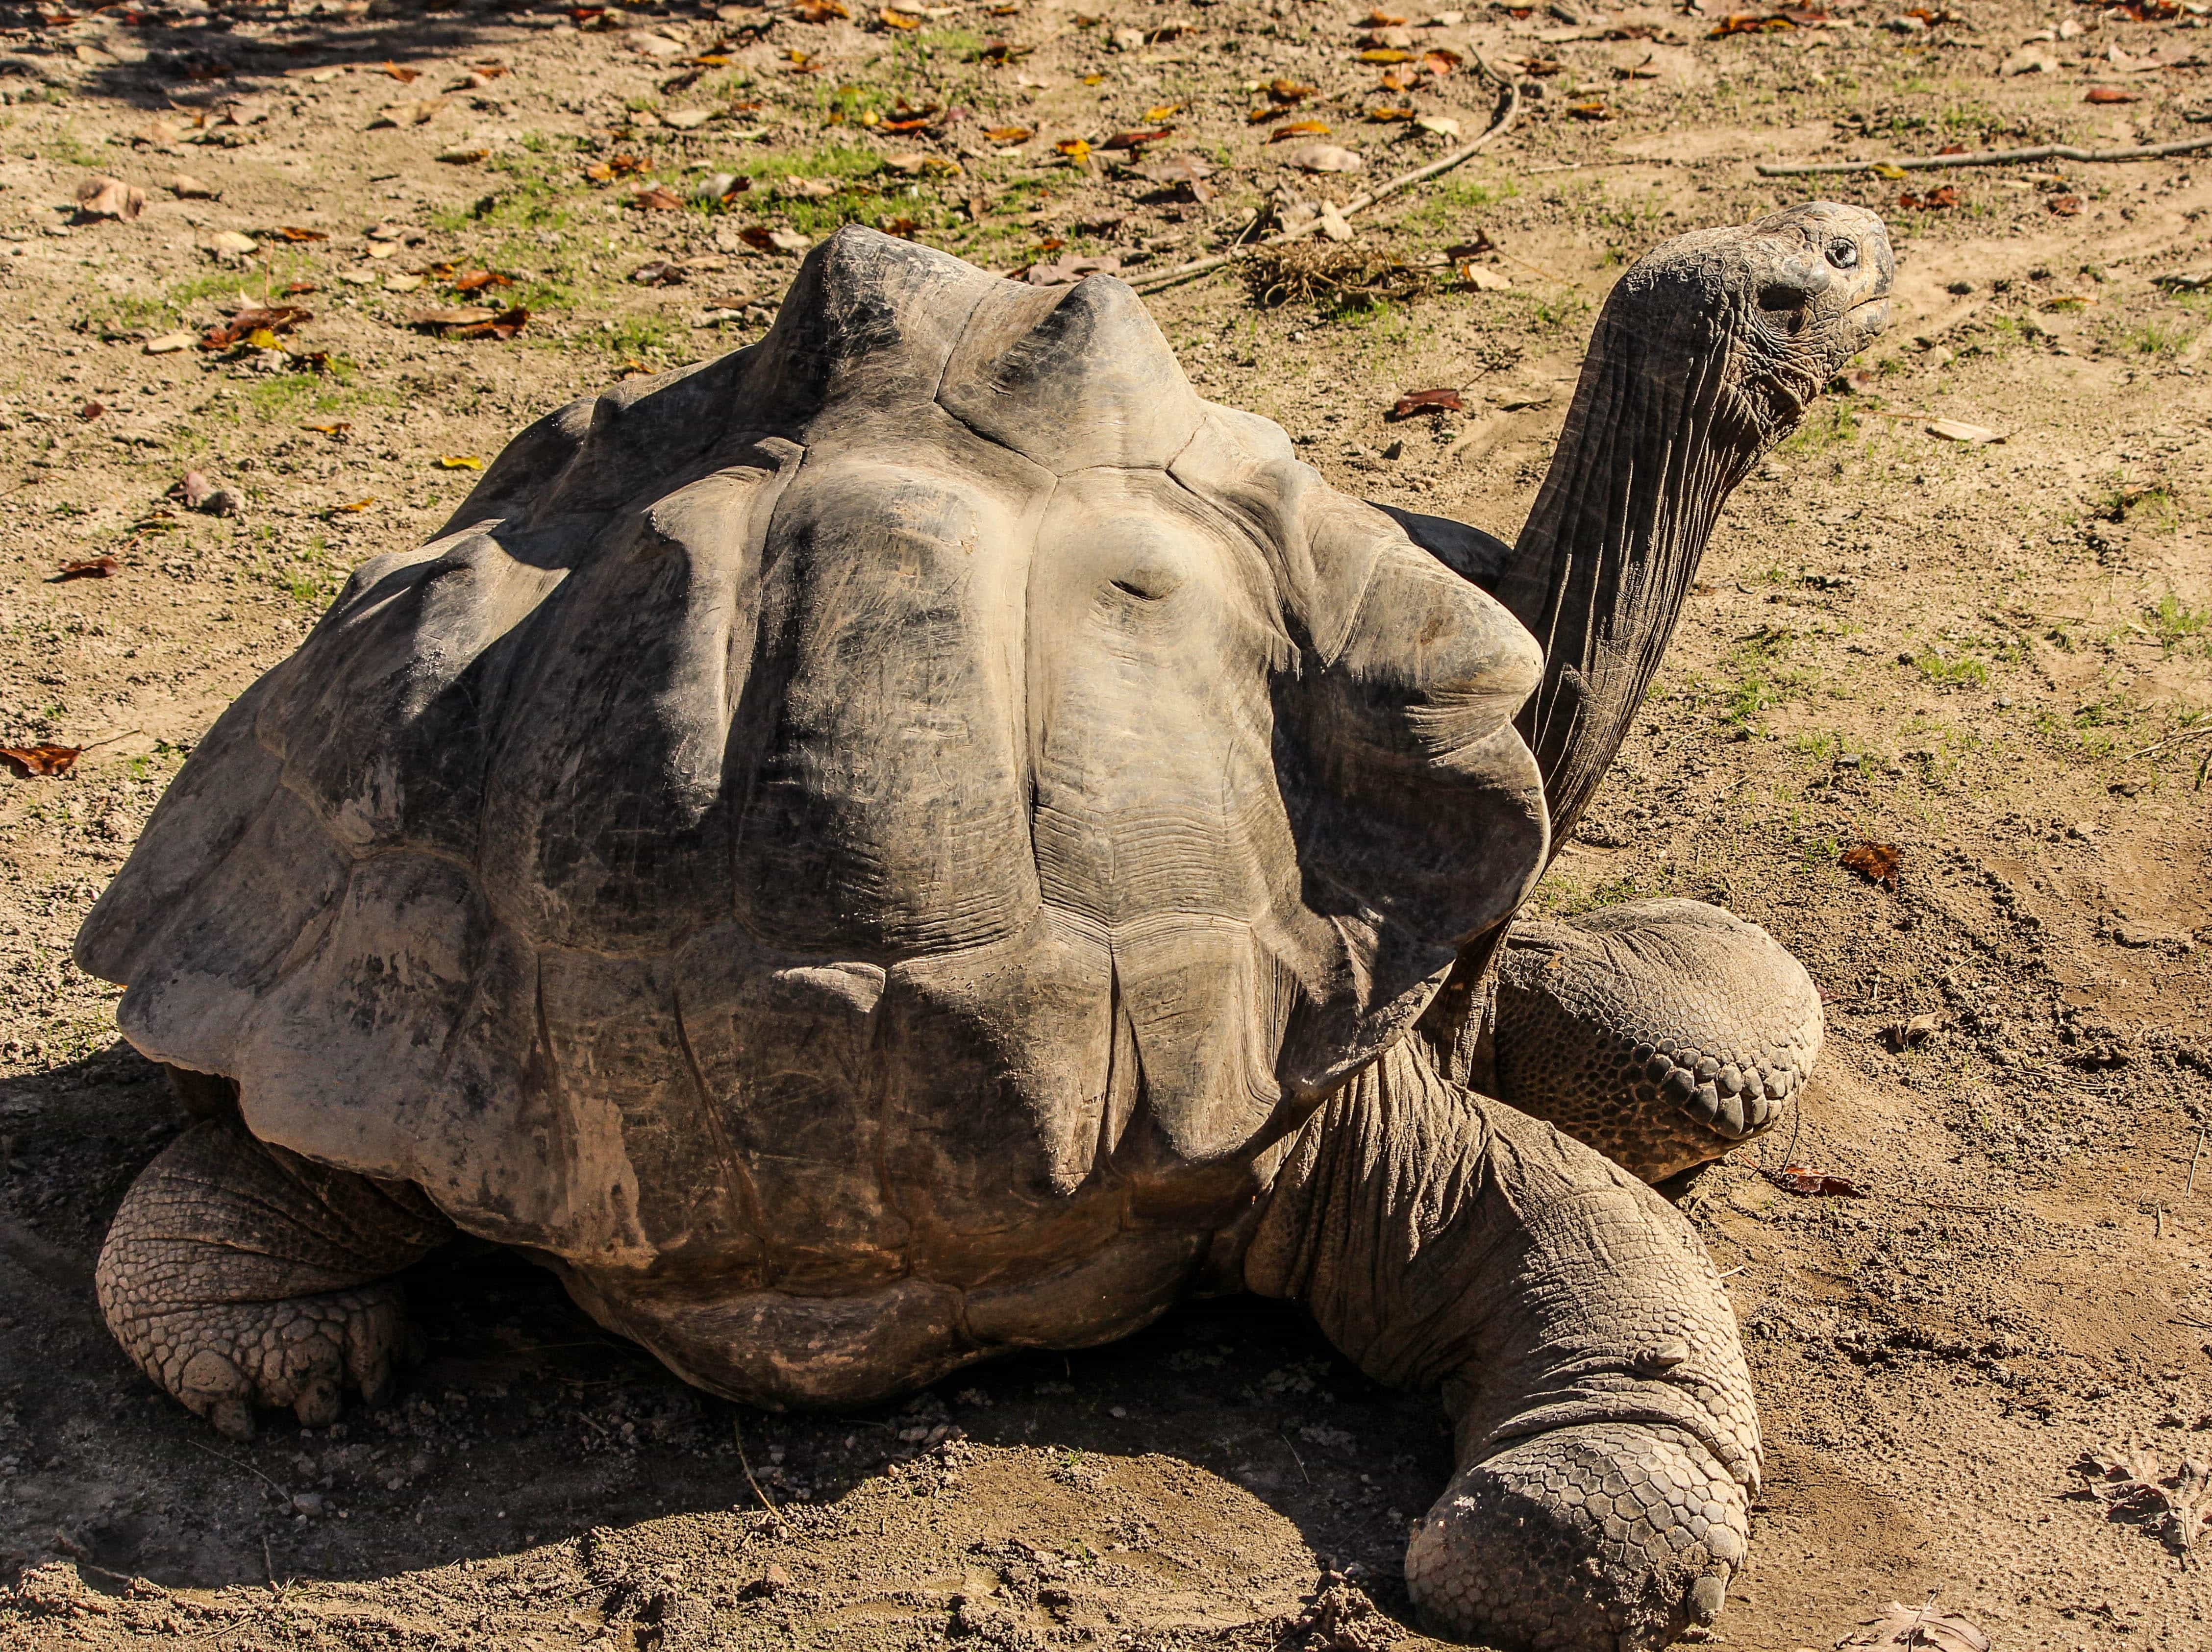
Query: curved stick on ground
point(1985, 158)
point(1508, 112)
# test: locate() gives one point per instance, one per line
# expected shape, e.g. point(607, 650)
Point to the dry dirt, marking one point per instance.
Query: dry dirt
point(1992, 656)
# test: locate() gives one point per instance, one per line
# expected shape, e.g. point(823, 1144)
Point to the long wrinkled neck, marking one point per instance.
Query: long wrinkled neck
point(1600, 573)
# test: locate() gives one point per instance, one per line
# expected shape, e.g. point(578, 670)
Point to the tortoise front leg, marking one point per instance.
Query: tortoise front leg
point(1606, 1442)
point(1661, 1032)
point(237, 1274)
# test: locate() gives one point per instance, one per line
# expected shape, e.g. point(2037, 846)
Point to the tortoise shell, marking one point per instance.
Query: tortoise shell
point(904, 814)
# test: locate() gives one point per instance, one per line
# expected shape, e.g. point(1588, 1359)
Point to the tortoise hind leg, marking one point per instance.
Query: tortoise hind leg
point(237, 1274)
point(1661, 1032)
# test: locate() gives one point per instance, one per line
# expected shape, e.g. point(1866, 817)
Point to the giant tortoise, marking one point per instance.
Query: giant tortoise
point(923, 837)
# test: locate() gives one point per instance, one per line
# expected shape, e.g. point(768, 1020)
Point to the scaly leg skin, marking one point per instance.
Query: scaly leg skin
point(237, 1274)
point(1661, 1032)
point(1607, 1442)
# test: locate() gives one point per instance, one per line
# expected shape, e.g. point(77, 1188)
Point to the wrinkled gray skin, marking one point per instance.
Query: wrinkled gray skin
point(924, 838)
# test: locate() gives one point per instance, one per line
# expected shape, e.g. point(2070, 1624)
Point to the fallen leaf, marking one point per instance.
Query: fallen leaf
point(1003, 51)
point(1379, 19)
point(1386, 116)
point(1921, 1628)
point(1299, 129)
point(1136, 139)
point(1160, 111)
point(103, 197)
point(168, 343)
point(659, 199)
point(185, 187)
point(1426, 401)
point(1186, 172)
point(92, 567)
point(687, 120)
point(1902, 1035)
point(1283, 91)
point(1007, 135)
point(473, 280)
point(335, 427)
point(399, 283)
point(892, 18)
point(462, 157)
point(658, 273)
point(358, 505)
point(1953, 430)
point(1883, 169)
point(1878, 863)
point(1815, 1184)
point(919, 161)
point(1440, 126)
point(404, 76)
point(1595, 109)
point(41, 762)
point(905, 228)
point(1483, 278)
point(1069, 270)
point(295, 233)
point(1936, 200)
point(1324, 157)
point(2108, 94)
point(1440, 61)
point(1384, 54)
point(1399, 79)
point(241, 327)
point(90, 411)
point(299, 289)
point(460, 462)
point(1750, 22)
point(818, 12)
point(463, 315)
point(1075, 150)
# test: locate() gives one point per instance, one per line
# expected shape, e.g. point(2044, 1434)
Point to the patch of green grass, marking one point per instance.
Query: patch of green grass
point(846, 161)
point(1953, 671)
point(1834, 424)
point(2173, 624)
point(2154, 337)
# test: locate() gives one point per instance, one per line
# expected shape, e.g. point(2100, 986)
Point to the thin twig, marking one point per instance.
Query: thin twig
point(2196, 733)
point(1985, 158)
point(2190, 1190)
point(238, 1463)
point(738, 1433)
point(1284, 1435)
point(1197, 267)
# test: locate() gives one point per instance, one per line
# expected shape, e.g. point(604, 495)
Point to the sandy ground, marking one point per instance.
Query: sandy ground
point(1991, 655)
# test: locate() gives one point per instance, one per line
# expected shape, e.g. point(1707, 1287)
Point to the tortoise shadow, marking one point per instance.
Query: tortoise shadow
point(524, 1424)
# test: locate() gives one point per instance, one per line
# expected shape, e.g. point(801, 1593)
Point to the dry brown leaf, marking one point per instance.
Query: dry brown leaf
point(41, 762)
point(91, 567)
point(1878, 863)
point(1921, 1628)
point(2108, 94)
point(185, 187)
point(1007, 135)
point(1283, 91)
point(2064, 206)
point(1299, 129)
point(1958, 430)
point(297, 232)
point(1426, 401)
point(1132, 141)
point(1324, 157)
point(1814, 1184)
point(89, 411)
point(241, 327)
point(404, 75)
point(892, 18)
point(103, 197)
point(659, 199)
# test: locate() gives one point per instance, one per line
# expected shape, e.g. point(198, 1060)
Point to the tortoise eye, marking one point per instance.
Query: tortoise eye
point(1844, 254)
